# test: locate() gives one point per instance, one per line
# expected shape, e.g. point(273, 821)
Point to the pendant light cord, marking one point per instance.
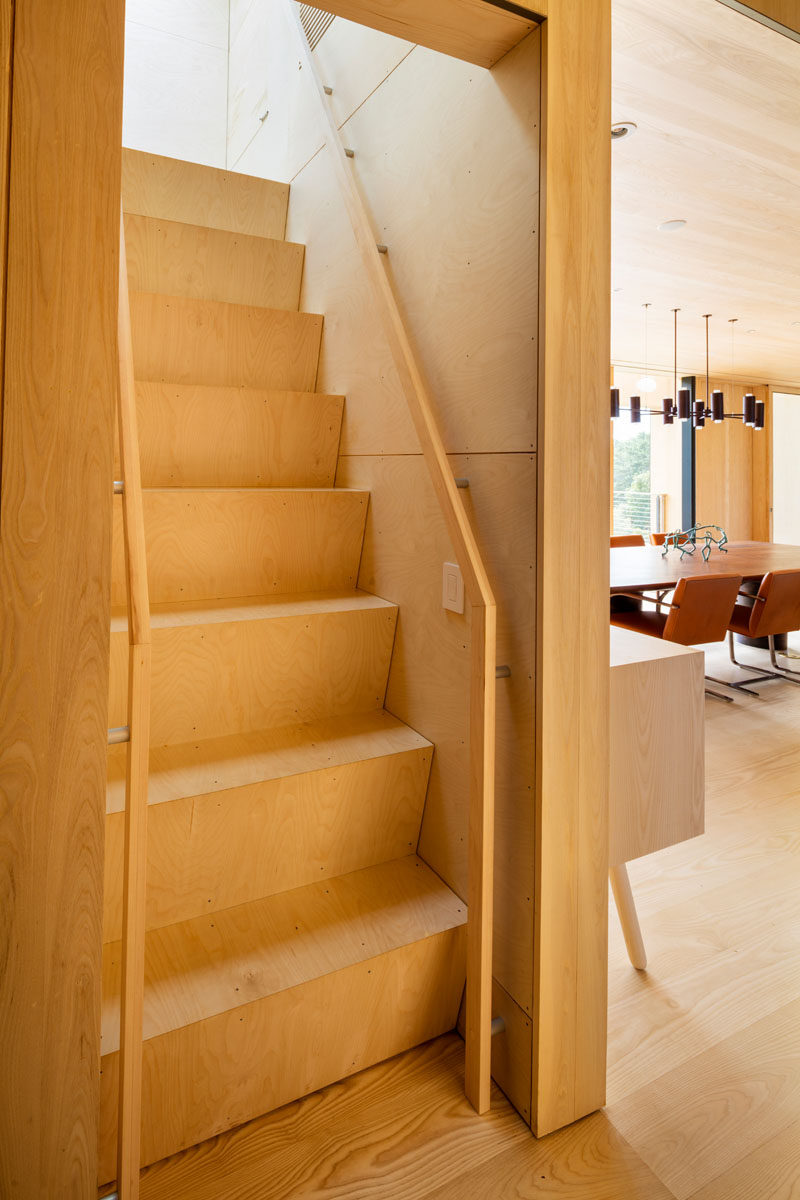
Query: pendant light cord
point(706, 317)
point(675, 312)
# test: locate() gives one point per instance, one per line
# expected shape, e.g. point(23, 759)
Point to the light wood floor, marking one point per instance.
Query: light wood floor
point(704, 1048)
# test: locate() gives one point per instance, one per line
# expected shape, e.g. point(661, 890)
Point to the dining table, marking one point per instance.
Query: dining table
point(648, 568)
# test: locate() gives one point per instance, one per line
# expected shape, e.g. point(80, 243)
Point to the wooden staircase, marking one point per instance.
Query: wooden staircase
point(294, 937)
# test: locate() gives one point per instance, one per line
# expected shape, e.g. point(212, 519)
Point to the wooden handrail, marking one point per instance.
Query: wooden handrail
point(135, 853)
point(478, 588)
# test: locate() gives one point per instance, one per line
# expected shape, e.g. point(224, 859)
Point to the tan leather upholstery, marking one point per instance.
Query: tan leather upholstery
point(627, 539)
point(700, 611)
point(776, 608)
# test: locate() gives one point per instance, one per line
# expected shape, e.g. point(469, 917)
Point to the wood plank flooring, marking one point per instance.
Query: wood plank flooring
point(404, 1129)
point(704, 1053)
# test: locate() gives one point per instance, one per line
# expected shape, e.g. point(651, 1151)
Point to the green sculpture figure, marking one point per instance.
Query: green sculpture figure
point(685, 540)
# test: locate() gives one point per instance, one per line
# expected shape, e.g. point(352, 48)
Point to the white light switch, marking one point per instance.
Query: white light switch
point(452, 588)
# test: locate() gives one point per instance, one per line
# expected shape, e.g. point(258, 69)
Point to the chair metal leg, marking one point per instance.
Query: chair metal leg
point(773, 658)
point(628, 919)
point(719, 695)
point(759, 672)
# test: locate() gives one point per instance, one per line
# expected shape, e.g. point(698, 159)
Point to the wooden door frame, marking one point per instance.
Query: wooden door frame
point(571, 916)
point(55, 564)
point(62, 82)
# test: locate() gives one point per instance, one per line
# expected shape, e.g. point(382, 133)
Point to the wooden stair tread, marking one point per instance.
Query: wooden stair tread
point(252, 608)
point(217, 764)
point(180, 339)
point(210, 965)
point(180, 259)
point(173, 189)
point(239, 818)
point(230, 541)
point(192, 435)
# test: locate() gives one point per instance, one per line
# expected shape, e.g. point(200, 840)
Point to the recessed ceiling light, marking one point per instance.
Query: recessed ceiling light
point(622, 129)
point(796, 322)
point(620, 289)
point(752, 331)
point(670, 226)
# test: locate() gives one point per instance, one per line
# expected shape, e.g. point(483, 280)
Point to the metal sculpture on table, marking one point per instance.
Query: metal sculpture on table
point(685, 540)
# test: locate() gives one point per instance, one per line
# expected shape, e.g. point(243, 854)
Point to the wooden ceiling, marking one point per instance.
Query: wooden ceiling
point(716, 98)
point(479, 31)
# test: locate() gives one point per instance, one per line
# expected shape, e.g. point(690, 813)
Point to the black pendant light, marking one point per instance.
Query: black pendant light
point(753, 414)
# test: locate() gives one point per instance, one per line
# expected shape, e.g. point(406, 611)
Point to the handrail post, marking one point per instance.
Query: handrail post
point(134, 888)
point(477, 1065)
point(477, 586)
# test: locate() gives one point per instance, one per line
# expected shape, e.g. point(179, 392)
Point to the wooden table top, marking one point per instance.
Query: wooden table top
point(640, 568)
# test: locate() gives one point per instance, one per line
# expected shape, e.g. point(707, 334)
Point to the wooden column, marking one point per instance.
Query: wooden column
point(6, 45)
point(570, 950)
point(60, 381)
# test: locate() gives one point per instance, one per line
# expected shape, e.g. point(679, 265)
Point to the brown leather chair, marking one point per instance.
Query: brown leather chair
point(700, 611)
point(627, 539)
point(626, 603)
point(775, 609)
point(658, 539)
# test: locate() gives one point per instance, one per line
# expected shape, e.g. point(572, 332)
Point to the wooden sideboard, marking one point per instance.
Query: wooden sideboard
point(657, 758)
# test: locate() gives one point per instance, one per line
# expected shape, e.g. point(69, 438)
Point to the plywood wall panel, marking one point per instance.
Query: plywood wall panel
point(405, 544)
point(404, 548)
point(60, 390)
point(501, 501)
point(353, 350)
point(175, 92)
point(466, 275)
point(265, 77)
point(355, 60)
point(200, 20)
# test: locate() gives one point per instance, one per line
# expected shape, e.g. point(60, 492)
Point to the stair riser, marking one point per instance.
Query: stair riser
point(214, 544)
point(229, 437)
point(182, 191)
point(232, 677)
point(189, 260)
point(211, 852)
point(178, 340)
point(220, 1072)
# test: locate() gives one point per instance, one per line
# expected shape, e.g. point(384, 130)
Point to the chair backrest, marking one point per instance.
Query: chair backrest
point(658, 539)
point(777, 609)
point(701, 609)
point(627, 539)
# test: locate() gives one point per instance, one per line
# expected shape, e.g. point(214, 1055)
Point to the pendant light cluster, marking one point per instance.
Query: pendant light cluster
point(752, 414)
